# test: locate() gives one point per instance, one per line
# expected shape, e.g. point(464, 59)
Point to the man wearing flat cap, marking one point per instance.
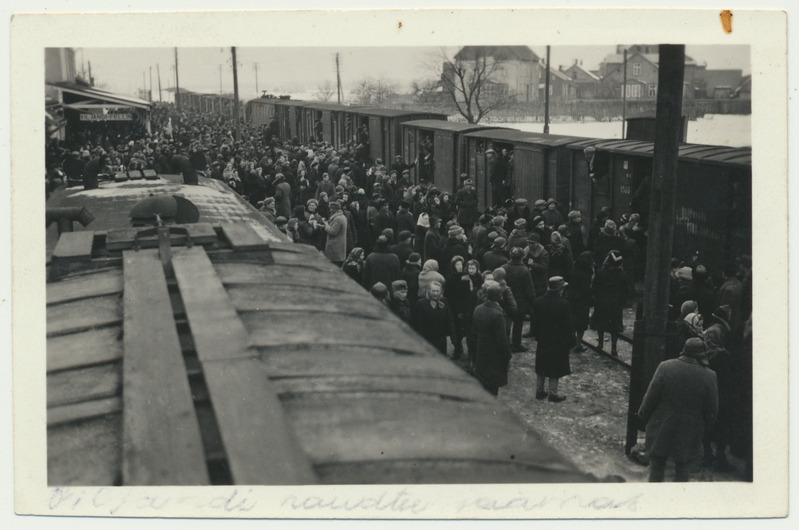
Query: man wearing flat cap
point(466, 201)
point(679, 406)
point(492, 356)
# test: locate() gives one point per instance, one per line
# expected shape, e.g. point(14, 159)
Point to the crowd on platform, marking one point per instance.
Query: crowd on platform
point(452, 271)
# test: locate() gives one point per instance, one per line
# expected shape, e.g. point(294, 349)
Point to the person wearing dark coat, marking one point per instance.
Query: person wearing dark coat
point(466, 201)
point(404, 218)
point(404, 247)
point(518, 236)
point(576, 236)
point(608, 239)
point(380, 265)
point(353, 265)
point(554, 333)
point(384, 218)
point(560, 257)
point(410, 273)
point(474, 281)
point(457, 293)
point(578, 293)
point(432, 240)
point(520, 281)
point(722, 362)
point(282, 196)
point(399, 303)
point(98, 165)
point(507, 301)
point(679, 406)
point(182, 164)
point(492, 349)
point(432, 318)
point(454, 245)
point(497, 256)
point(537, 261)
point(610, 294)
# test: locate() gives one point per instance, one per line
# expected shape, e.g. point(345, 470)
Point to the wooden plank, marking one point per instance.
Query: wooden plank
point(122, 239)
point(303, 299)
point(95, 346)
point(243, 237)
point(84, 286)
point(84, 314)
point(84, 384)
point(250, 273)
point(83, 411)
point(258, 440)
point(88, 453)
point(74, 246)
point(161, 435)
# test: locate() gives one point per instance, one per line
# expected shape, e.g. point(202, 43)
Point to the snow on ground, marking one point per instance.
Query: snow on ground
point(713, 129)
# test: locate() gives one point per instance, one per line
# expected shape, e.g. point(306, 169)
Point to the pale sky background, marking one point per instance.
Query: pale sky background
point(302, 70)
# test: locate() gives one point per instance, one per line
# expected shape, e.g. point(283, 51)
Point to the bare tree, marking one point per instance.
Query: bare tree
point(324, 91)
point(369, 91)
point(473, 86)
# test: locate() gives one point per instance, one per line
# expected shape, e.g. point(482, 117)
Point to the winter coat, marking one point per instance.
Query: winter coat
point(554, 332)
point(380, 266)
point(429, 275)
point(538, 262)
point(494, 259)
point(493, 348)
point(432, 245)
point(518, 278)
point(610, 294)
point(578, 293)
point(336, 245)
point(679, 406)
point(466, 200)
point(283, 199)
point(435, 324)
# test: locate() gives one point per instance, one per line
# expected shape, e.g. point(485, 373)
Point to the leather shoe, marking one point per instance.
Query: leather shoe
point(540, 395)
point(555, 398)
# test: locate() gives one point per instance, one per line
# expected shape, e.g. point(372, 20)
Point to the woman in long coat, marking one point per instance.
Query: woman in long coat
point(578, 293)
point(610, 294)
point(679, 406)
point(336, 229)
point(492, 356)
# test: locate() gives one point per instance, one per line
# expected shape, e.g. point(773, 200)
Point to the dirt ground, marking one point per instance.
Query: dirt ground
point(590, 426)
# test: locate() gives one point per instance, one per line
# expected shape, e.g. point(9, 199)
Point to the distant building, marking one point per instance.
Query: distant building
point(561, 87)
point(517, 70)
point(584, 82)
point(716, 84)
point(642, 73)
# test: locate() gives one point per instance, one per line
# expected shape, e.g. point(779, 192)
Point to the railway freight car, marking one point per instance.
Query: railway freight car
point(383, 129)
point(289, 118)
point(328, 122)
point(209, 350)
point(447, 145)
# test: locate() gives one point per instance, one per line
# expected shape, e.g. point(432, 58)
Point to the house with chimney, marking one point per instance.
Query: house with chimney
point(585, 83)
point(642, 73)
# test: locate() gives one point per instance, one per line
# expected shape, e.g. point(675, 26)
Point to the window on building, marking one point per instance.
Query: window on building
point(653, 91)
point(550, 89)
point(636, 68)
point(633, 91)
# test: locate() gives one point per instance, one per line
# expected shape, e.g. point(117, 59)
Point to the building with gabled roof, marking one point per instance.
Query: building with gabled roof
point(518, 70)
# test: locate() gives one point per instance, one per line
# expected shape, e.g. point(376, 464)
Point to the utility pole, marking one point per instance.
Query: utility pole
point(91, 79)
point(177, 83)
point(158, 71)
point(624, 97)
point(220, 79)
point(338, 79)
point(151, 83)
point(546, 97)
point(651, 328)
point(256, 79)
point(236, 93)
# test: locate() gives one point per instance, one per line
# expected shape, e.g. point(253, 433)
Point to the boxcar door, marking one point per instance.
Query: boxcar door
point(375, 137)
point(563, 179)
point(528, 173)
point(444, 156)
point(411, 149)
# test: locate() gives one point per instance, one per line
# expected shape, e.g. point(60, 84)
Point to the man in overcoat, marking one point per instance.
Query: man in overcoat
point(493, 354)
point(336, 229)
point(680, 404)
point(553, 329)
point(520, 282)
point(381, 265)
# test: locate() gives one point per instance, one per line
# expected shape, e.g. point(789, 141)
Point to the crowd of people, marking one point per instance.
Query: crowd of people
point(456, 274)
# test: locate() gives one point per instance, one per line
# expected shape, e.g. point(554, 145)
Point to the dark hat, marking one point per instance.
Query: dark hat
point(379, 290)
point(281, 220)
point(498, 220)
point(493, 291)
point(467, 182)
point(551, 201)
point(574, 214)
point(521, 201)
point(540, 202)
point(404, 234)
point(537, 220)
point(415, 257)
point(499, 242)
point(335, 205)
point(556, 283)
point(695, 348)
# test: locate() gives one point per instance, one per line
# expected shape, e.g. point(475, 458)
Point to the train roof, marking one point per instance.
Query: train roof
point(440, 125)
point(526, 137)
point(290, 102)
point(393, 113)
point(716, 154)
point(332, 106)
point(266, 362)
point(112, 202)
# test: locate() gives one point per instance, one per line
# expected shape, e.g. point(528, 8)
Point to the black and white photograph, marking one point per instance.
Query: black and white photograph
point(334, 276)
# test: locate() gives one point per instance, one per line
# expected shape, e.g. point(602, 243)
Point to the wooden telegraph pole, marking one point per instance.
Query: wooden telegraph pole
point(177, 82)
point(338, 80)
point(158, 71)
point(546, 97)
point(649, 346)
point(624, 97)
point(236, 93)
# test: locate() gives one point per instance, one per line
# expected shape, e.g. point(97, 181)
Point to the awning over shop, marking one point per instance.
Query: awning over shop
point(87, 97)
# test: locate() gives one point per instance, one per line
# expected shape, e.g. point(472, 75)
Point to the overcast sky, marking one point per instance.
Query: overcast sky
point(302, 70)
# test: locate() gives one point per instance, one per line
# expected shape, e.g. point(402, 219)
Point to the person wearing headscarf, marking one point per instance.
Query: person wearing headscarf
point(610, 294)
point(353, 265)
point(492, 350)
point(429, 275)
point(560, 257)
point(432, 317)
point(679, 407)
point(690, 324)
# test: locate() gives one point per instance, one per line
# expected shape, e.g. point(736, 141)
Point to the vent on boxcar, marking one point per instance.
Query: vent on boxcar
point(168, 209)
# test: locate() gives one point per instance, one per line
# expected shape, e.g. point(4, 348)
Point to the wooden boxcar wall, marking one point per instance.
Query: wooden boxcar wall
point(445, 156)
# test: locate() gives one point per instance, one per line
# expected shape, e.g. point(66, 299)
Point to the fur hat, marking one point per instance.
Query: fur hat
point(520, 223)
point(540, 203)
point(574, 214)
point(455, 231)
point(415, 258)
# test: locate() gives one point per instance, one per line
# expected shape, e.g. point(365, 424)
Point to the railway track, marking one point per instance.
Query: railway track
point(610, 356)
